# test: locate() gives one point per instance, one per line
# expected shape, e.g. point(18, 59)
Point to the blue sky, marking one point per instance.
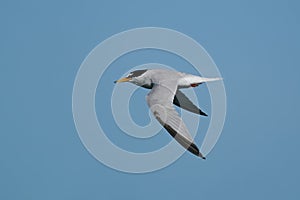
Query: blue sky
point(255, 45)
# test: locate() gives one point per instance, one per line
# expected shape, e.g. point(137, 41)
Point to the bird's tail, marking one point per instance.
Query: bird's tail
point(197, 80)
point(210, 79)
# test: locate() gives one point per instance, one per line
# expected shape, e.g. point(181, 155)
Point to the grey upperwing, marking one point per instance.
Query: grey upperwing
point(183, 101)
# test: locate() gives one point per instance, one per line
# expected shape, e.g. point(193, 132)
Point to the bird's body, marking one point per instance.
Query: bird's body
point(165, 85)
point(157, 76)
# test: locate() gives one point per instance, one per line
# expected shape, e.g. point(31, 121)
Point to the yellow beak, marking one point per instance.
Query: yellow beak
point(123, 80)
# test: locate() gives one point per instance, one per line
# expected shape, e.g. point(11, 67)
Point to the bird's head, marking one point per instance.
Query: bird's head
point(136, 77)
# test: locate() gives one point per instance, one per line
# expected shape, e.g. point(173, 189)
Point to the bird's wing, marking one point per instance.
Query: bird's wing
point(183, 101)
point(160, 101)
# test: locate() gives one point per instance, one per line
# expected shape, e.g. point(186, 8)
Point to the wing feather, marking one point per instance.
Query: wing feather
point(160, 101)
point(183, 101)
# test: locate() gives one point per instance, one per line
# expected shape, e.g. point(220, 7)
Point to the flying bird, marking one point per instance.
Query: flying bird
point(165, 91)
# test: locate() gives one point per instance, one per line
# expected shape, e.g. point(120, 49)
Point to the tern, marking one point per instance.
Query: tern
point(165, 85)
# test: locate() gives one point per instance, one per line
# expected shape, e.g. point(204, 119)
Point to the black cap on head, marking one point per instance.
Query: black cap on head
point(136, 73)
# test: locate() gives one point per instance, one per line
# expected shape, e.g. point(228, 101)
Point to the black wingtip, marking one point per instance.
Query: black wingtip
point(201, 156)
point(202, 113)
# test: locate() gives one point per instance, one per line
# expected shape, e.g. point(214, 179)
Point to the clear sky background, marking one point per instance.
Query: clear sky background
point(256, 46)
